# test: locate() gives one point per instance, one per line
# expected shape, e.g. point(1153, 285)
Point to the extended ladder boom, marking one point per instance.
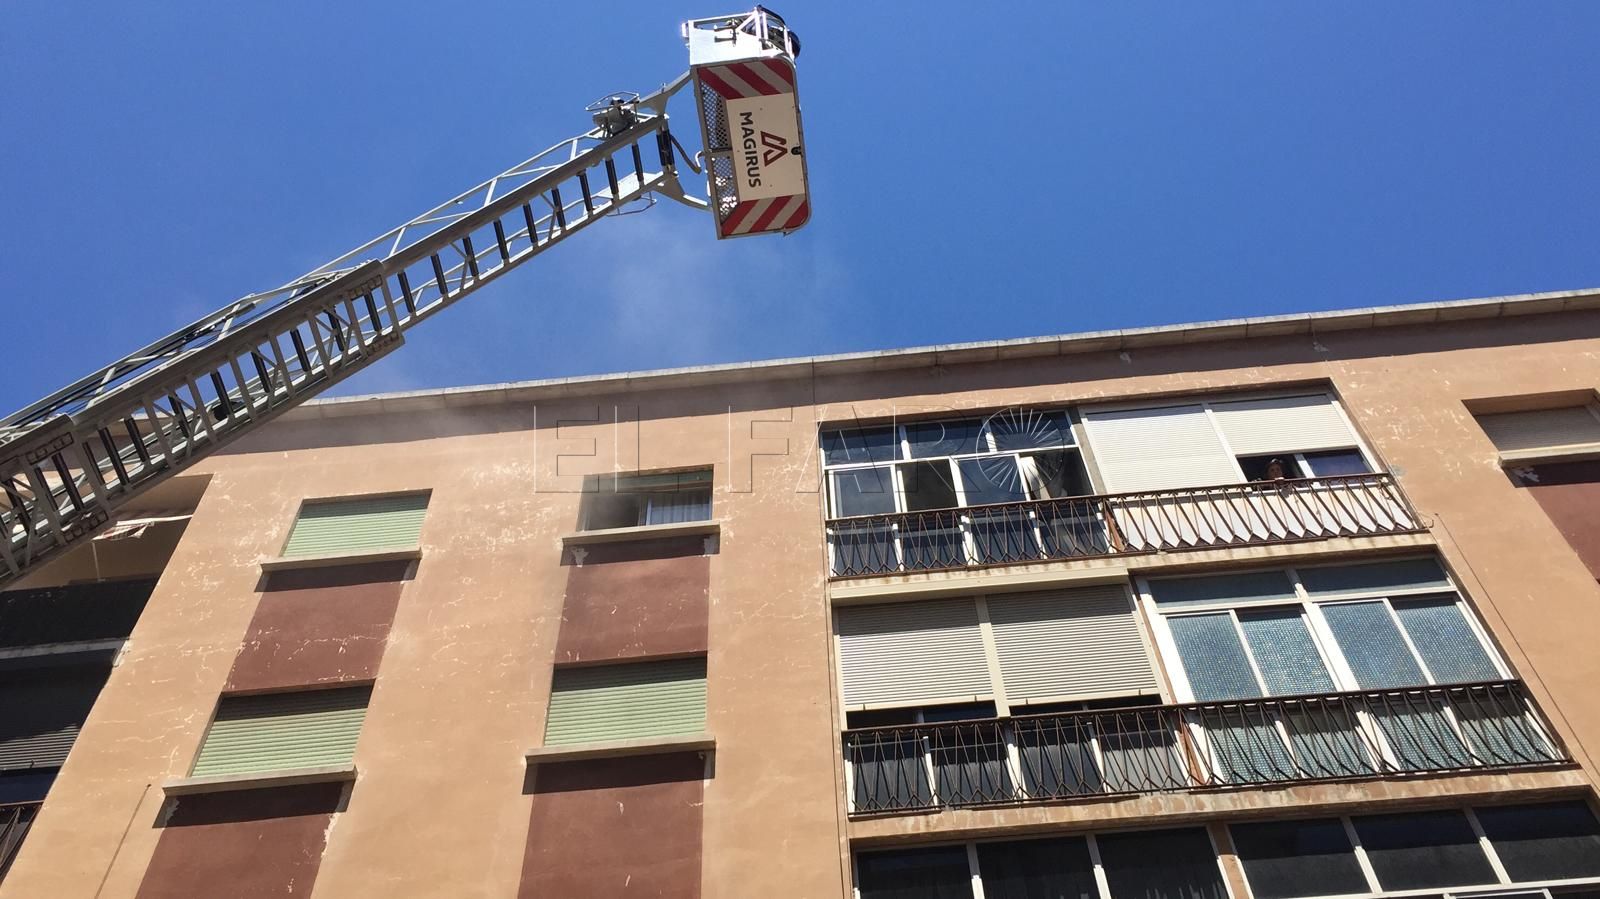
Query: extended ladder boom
point(69, 462)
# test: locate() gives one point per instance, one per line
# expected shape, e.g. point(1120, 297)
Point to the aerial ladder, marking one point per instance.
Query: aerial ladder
point(71, 461)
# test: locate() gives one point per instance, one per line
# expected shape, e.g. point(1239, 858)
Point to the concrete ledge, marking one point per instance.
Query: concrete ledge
point(617, 748)
point(644, 532)
point(290, 777)
point(1576, 452)
point(1038, 576)
point(357, 558)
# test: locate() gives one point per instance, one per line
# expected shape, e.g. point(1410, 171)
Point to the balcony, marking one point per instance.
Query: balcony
point(1253, 514)
point(1198, 746)
point(14, 823)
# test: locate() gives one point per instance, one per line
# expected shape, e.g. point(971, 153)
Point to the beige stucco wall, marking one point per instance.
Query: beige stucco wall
point(438, 809)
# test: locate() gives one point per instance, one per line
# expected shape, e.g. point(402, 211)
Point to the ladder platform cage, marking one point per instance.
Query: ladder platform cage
point(744, 86)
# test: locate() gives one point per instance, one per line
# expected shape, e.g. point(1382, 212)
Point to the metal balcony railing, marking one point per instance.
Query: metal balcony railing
point(14, 823)
point(1261, 512)
point(1161, 749)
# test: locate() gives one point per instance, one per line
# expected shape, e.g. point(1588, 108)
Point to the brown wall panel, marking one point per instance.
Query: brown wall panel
point(319, 626)
point(649, 607)
point(1569, 493)
point(242, 845)
point(616, 828)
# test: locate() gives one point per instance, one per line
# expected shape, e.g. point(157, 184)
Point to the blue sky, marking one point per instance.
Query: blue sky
point(1036, 169)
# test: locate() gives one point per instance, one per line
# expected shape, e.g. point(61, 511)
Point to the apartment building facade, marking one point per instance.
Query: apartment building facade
point(1283, 608)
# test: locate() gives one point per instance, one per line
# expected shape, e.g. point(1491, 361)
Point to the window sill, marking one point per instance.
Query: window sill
point(618, 748)
point(289, 777)
point(283, 563)
point(643, 532)
point(1576, 452)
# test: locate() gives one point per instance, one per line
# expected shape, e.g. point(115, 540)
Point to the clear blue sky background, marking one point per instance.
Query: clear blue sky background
point(1032, 169)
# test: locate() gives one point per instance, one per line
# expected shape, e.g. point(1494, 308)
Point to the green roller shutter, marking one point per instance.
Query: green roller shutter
point(354, 525)
point(280, 731)
point(627, 702)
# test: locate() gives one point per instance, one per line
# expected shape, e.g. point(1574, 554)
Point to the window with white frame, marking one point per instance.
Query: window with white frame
point(1552, 846)
point(1223, 441)
point(1010, 456)
point(1376, 626)
point(654, 498)
point(1179, 863)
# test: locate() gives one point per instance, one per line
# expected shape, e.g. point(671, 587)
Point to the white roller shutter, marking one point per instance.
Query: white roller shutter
point(1071, 643)
point(1158, 449)
point(1283, 424)
point(913, 653)
point(1512, 431)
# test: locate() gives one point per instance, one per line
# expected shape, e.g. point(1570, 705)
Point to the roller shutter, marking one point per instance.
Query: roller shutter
point(1513, 431)
point(913, 653)
point(1068, 644)
point(627, 702)
point(282, 731)
point(41, 713)
point(1283, 424)
point(356, 525)
point(1158, 449)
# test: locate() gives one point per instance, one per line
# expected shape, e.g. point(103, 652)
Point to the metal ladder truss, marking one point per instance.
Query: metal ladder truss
point(68, 462)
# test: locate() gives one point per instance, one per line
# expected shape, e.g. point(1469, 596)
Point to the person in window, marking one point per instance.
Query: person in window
point(1276, 471)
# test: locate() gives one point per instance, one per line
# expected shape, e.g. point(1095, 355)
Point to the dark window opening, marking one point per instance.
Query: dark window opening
point(941, 873)
point(1544, 842)
point(627, 501)
point(1286, 859)
point(1423, 850)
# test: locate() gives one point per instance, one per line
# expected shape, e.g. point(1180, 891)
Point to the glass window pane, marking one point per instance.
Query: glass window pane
point(1161, 864)
point(1423, 850)
point(1544, 842)
point(679, 506)
point(1195, 591)
point(1056, 475)
point(1284, 859)
point(1373, 646)
point(992, 480)
point(881, 444)
point(1024, 429)
point(1037, 869)
point(1374, 577)
point(1333, 463)
point(940, 873)
point(1284, 652)
point(864, 491)
point(943, 438)
point(928, 485)
point(1213, 657)
point(1445, 640)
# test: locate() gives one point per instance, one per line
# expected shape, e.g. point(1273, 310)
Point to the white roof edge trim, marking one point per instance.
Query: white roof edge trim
point(910, 357)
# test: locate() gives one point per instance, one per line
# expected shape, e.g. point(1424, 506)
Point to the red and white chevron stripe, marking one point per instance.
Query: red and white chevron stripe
point(771, 214)
point(755, 78)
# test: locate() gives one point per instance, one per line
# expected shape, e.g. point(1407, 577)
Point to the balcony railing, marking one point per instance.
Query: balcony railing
point(14, 823)
point(1116, 524)
point(1162, 749)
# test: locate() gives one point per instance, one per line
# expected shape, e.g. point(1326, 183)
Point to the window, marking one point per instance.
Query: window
point(1209, 442)
point(630, 501)
point(368, 524)
point(1574, 425)
point(1320, 630)
point(1010, 456)
point(1423, 850)
point(940, 873)
point(1281, 858)
point(633, 701)
point(1161, 864)
point(283, 731)
point(1430, 850)
point(1027, 869)
point(1544, 842)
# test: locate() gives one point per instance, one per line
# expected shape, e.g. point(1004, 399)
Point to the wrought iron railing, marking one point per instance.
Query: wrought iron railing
point(1115, 524)
point(14, 823)
point(1160, 749)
